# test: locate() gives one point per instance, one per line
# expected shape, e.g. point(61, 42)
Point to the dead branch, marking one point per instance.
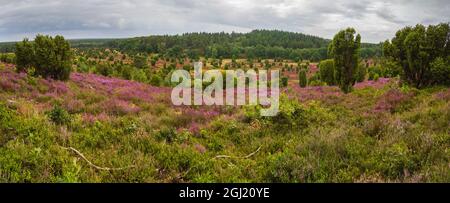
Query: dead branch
point(242, 157)
point(93, 165)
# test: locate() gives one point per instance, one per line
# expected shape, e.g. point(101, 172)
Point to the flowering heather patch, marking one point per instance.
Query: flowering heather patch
point(443, 95)
point(293, 75)
point(391, 101)
point(9, 80)
point(321, 93)
point(138, 92)
point(375, 84)
point(97, 93)
point(123, 89)
point(119, 107)
point(20, 84)
point(194, 128)
point(74, 105)
point(200, 148)
point(89, 118)
point(313, 69)
point(117, 123)
point(55, 87)
point(326, 93)
point(200, 114)
point(8, 85)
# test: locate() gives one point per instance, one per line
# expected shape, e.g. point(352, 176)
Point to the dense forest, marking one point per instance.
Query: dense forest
point(252, 45)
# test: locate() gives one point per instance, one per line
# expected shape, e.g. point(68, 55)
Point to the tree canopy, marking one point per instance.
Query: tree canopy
point(257, 44)
point(50, 57)
point(423, 53)
point(344, 49)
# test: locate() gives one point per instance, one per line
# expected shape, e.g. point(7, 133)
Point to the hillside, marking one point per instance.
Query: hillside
point(130, 132)
point(255, 44)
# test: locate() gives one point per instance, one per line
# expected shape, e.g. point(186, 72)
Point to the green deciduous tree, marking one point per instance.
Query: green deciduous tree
point(440, 70)
point(51, 57)
point(24, 55)
point(417, 50)
point(345, 51)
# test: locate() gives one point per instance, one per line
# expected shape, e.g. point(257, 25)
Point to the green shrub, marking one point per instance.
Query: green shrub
point(394, 160)
point(156, 80)
point(392, 68)
point(303, 80)
point(284, 82)
point(327, 71)
point(361, 73)
point(188, 68)
point(292, 114)
point(51, 57)
point(140, 61)
point(8, 58)
point(139, 75)
point(314, 80)
point(59, 115)
point(440, 70)
point(167, 134)
point(317, 83)
point(103, 69)
point(376, 77)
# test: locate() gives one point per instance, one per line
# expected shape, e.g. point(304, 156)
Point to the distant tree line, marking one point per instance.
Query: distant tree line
point(7, 47)
point(253, 45)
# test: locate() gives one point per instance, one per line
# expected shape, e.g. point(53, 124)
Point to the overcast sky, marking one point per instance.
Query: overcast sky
point(375, 20)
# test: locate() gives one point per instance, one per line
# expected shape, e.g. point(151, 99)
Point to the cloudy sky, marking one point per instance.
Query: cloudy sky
point(376, 20)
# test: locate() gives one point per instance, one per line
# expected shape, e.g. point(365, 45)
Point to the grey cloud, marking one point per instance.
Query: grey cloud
point(376, 20)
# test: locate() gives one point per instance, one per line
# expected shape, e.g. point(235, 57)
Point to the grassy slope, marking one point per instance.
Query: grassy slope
point(380, 132)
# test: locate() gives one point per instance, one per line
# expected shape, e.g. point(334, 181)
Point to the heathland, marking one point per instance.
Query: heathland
point(101, 111)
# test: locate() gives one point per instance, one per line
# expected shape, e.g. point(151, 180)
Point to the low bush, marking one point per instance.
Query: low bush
point(59, 115)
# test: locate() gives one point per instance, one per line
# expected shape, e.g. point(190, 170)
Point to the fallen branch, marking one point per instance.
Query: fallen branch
point(242, 157)
point(93, 165)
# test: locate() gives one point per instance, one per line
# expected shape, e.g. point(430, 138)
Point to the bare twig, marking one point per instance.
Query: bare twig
point(253, 153)
point(93, 165)
point(242, 157)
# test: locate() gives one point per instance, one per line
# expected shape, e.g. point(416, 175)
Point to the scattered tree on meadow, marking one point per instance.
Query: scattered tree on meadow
point(284, 81)
point(303, 80)
point(50, 57)
point(421, 51)
point(361, 72)
point(327, 71)
point(344, 50)
point(140, 61)
point(24, 55)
